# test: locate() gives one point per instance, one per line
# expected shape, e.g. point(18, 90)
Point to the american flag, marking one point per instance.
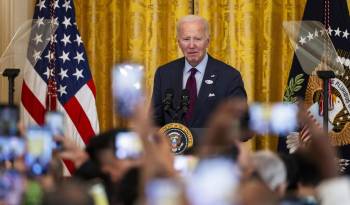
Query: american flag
point(59, 78)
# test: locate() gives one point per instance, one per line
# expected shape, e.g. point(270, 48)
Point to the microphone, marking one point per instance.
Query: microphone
point(168, 100)
point(185, 101)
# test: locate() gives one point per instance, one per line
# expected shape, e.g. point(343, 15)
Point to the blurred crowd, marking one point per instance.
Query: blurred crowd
point(221, 170)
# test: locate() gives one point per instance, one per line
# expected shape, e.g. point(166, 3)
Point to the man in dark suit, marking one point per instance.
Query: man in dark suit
point(207, 80)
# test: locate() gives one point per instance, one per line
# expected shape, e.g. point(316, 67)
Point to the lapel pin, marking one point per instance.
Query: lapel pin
point(208, 82)
point(212, 76)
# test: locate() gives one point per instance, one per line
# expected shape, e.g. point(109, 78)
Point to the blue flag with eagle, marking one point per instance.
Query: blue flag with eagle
point(335, 17)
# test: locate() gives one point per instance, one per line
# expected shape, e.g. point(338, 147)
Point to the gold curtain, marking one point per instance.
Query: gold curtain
point(114, 31)
point(246, 34)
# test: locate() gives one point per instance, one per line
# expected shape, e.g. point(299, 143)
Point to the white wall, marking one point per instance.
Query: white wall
point(12, 14)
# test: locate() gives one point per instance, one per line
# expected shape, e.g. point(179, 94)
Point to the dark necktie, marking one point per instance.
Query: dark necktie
point(191, 87)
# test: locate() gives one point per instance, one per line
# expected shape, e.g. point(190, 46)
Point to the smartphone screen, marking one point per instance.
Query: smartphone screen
point(202, 186)
point(185, 164)
point(11, 147)
point(127, 87)
point(55, 122)
point(98, 193)
point(39, 150)
point(163, 192)
point(12, 186)
point(128, 145)
point(9, 116)
point(275, 118)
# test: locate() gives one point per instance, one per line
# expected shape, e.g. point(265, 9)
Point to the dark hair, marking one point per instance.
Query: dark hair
point(69, 193)
point(127, 190)
point(101, 142)
point(292, 170)
point(308, 172)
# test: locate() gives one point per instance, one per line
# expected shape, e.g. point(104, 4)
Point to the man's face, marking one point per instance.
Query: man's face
point(193, 41)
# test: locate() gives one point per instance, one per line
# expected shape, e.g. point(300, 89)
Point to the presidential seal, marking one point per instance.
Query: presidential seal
point(339, 108)
point(179, 135)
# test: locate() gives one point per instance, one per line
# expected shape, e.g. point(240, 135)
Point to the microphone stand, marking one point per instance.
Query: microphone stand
point(11, 74)
point(168, 104)
point(180, 111)
point(184, 106)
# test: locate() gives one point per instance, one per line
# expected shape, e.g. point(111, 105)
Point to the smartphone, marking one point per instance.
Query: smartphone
point(98, 193)
point(277, 118)
point(39, 150)
point(128, 145)
point(163, 192)
point(11, 147)
point(209, 174)
point(127, 87)
point(12, 187)
point(185, 164)
point(9, 116)
point(54, 120)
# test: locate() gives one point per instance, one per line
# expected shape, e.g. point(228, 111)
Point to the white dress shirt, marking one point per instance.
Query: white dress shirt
point(199, 74)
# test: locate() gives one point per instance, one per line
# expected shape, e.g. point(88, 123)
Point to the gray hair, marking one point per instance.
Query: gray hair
point(270, 168)
point(192, 18)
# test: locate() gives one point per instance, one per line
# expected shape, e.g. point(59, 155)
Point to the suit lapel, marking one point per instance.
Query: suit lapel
point(177, 78)
point(207, 87)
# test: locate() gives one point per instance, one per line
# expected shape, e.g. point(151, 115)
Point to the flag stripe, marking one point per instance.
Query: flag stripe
point(26, 118)
point(69, 165)
point(70, 129)
point(79, 118)
point(35, 83)
point(32, 104)
point(92, 86)
point(88, 106)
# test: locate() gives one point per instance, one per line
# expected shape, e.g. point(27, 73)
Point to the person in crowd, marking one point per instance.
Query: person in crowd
point(99, 161)
point(220, 177)
point(272, 171)
point(303, 178)
point(68, 193)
